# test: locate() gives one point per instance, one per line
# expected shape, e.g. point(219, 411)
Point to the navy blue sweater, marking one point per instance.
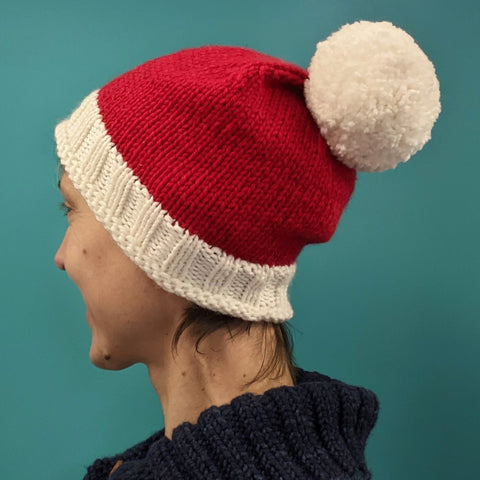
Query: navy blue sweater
point(316, 429)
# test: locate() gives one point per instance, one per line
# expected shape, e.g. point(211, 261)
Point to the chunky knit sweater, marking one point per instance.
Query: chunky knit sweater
point(316, 429)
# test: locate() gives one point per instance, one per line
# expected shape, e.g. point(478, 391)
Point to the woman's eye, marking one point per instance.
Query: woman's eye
point(65, 208)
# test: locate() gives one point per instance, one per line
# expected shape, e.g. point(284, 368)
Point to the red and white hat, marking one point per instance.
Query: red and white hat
point(213, 167)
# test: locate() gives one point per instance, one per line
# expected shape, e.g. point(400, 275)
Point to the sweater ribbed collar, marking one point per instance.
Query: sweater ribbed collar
point(316, 429)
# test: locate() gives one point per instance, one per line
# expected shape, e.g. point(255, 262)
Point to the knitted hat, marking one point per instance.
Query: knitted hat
point(213, 167)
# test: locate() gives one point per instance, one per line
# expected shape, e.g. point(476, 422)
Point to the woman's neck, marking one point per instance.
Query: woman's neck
point(191, 382)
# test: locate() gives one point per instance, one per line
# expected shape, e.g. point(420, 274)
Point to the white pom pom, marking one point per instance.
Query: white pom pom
point(374, 94)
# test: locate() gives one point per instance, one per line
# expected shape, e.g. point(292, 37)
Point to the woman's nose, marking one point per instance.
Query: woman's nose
point(59, 256)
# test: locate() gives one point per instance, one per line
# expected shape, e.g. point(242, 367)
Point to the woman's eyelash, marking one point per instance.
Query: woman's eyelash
point(65, 208)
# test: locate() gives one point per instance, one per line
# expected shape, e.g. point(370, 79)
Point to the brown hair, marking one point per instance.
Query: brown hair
point(204, 322)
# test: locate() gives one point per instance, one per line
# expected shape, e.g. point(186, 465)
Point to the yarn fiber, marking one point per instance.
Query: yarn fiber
point(210, 173)
point(374, 95)
point(209, 170)
point(316, 429)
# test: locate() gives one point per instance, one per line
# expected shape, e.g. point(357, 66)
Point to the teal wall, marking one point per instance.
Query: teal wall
point(391, 303)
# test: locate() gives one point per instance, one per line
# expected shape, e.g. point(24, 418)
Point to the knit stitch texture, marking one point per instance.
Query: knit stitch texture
point(210, 173)
point(213, 167)
point(316, 429)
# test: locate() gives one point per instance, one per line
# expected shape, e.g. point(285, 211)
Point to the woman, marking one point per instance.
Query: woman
point(191, 185)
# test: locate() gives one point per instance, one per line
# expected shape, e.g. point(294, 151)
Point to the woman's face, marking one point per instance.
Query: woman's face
point(129, 315)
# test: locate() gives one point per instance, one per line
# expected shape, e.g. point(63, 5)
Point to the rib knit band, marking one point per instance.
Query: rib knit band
point(177, 261)
point(317, 429)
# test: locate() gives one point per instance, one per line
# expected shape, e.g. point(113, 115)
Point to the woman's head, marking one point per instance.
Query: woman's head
point(211, 168)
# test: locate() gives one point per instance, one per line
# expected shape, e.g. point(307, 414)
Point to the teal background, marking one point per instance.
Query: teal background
point(391, 303)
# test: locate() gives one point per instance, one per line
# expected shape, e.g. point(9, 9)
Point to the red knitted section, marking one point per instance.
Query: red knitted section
point(222, 139)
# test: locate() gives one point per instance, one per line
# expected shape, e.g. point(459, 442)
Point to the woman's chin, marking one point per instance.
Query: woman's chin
point(107, 361)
